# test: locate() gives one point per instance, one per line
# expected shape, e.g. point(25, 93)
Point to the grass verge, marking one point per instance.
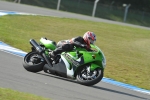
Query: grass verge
point(126, 48)
point(8, 94)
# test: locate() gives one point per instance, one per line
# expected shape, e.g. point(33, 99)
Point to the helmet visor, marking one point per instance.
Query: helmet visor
point(92, 41)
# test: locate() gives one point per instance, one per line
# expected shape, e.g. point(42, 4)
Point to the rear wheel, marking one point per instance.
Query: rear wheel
point(87, 77)
point(33, 62)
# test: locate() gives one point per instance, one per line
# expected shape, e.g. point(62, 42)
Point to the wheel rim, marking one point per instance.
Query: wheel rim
point(87, 75)
point(34, 59)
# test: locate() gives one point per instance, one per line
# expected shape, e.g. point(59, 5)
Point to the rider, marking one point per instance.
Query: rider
point(68, 45)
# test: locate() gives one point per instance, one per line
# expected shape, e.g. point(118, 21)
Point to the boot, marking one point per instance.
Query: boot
point(52, 55)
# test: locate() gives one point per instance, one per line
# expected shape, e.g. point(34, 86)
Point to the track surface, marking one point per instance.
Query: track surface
point(14, 76)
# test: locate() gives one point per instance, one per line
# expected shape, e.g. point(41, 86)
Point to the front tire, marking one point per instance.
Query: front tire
point(33, 62)
point(87, 77)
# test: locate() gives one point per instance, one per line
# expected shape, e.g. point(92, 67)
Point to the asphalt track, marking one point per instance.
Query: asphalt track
point(13, 75)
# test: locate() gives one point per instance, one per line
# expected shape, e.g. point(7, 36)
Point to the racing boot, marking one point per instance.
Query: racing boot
point(52, 55)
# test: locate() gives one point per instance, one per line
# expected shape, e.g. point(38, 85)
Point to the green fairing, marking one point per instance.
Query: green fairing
point(95, 59)
point(94, 66)
point(48, 44)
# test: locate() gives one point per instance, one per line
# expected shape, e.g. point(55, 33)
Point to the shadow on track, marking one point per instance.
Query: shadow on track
point(58, 77)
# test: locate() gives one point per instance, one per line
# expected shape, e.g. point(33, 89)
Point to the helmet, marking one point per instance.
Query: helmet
point(89, 37)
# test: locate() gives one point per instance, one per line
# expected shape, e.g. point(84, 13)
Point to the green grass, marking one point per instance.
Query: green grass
point(8, 94)
point(127, 49)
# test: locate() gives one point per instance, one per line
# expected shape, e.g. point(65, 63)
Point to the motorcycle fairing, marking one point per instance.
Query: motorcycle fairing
point(70, 72)
point(71, 63)
point(74, 61)
point(58, 69)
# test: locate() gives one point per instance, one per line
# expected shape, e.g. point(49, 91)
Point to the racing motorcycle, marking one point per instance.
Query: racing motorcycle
point(86, 67)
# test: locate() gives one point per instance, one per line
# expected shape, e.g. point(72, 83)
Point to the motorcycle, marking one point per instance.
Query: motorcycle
point(86, 67)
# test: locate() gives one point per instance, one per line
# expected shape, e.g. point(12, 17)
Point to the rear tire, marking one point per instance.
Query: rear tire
point(85, 77)
point(33, 62)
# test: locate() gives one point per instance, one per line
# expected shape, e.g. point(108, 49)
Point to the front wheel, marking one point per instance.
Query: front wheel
point(33, 62)
point(87, 77)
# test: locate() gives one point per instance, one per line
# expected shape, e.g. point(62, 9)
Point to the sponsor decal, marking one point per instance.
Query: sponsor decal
point(74, 62)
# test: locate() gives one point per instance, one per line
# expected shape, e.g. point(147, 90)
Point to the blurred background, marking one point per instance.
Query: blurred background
point(128, 11)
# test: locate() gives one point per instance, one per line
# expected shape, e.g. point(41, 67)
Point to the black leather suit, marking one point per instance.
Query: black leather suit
point(68, 45)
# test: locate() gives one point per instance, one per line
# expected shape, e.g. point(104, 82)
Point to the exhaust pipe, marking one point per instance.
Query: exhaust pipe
point(40, 50)
point(36, 46)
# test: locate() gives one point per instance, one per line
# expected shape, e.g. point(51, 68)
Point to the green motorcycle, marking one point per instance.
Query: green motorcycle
point(87, 67)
